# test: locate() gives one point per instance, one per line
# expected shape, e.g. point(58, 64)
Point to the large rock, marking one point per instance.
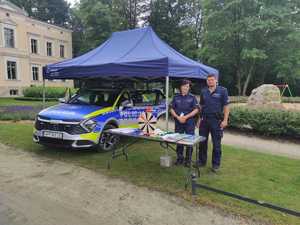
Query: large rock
point(265, 95)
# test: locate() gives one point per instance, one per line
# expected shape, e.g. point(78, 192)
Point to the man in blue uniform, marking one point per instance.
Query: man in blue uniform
point(184, 108)
point(214, 118)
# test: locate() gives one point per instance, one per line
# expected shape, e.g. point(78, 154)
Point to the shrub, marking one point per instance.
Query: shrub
point(18, 116)
point(238, 99)
point(243, 99)
point(291, 99)
point(19, 112)
point(269, 122)
point(35, 99)
point(51, 92)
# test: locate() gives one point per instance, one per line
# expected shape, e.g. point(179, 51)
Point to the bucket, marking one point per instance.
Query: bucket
point(165, 161)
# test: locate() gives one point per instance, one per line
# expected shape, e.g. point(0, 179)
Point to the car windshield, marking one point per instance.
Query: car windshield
point(94, 97)
point(146, 98)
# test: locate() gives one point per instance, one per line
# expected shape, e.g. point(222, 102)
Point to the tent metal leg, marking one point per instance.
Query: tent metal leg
point(44, 94)
point(167, 103)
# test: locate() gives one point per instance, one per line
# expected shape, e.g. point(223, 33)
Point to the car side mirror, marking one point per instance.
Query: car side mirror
point(62, 100)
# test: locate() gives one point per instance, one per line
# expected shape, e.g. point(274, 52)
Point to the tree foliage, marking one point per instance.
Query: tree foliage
point(250, 42)
point(51, 11)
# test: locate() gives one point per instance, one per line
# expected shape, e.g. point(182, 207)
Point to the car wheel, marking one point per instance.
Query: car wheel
point(108, 142)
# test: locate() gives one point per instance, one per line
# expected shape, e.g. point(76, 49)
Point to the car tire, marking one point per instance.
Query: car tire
point(108, 142)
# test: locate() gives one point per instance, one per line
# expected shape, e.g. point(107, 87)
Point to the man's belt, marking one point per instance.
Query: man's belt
point(217, 115)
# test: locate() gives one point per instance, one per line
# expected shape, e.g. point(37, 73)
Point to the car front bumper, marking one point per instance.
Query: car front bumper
point(87, 140)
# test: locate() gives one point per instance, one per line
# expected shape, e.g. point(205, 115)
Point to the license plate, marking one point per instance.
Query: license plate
point(52, 134)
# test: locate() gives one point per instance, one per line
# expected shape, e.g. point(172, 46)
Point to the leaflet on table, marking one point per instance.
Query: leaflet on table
point(156, 133)
point(190, 139)
point(175, 137)
point(167, 136)
point(125, 130)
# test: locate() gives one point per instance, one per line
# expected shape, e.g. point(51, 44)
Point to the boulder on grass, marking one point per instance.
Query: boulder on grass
point(265, 95)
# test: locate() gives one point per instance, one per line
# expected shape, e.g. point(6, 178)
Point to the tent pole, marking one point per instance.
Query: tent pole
point(44, 93)
point(167, 103)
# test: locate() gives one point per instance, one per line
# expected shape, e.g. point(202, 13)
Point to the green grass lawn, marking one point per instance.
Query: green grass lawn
point(264, 177)
point(13, 102)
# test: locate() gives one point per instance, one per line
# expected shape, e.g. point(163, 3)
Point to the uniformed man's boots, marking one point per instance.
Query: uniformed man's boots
point(188, 160)
point(187, 163)
point(178, 162)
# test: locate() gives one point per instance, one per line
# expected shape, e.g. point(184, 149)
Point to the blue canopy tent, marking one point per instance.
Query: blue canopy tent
point(134, 53)
point(138, 53)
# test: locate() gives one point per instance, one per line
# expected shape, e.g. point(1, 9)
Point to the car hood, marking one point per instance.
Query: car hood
point(68, 112)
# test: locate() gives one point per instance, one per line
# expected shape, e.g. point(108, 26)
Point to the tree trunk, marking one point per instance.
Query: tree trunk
point(198, 28)
point(135, 15)
point(130, 14)
point(238, 83)
point(249, 76)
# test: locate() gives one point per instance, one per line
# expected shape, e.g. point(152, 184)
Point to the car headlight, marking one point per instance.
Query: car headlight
point(89, 125)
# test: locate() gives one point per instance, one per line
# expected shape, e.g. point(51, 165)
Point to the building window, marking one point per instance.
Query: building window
point(13, 92)
point(62, 51)
point(34, 47)
point(9, 37)
point(11, 70)
point(49, 49)
point(35, 73)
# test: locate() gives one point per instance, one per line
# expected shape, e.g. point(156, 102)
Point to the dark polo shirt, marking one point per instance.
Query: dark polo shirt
point(213, 102)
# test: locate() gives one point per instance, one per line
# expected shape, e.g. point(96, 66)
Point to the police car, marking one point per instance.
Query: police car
point(80, 122)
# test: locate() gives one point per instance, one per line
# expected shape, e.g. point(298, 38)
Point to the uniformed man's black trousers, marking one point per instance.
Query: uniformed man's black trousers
point(211, 125)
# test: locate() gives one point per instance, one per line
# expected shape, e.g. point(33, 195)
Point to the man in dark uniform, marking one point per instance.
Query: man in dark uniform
point(184, 108)
point(214, 118)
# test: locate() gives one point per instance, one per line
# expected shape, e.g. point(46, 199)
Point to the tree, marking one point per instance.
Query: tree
point(93, 23)
point(194, 23)
point(167, 17)
point(55, 11)
point(243, 37)
point(131, 11)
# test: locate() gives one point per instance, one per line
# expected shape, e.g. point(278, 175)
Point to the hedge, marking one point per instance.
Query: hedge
point(18, 116)
point(19, 112)
point(243, 99)
point(35, 99)
point(238, 99)
point(291, 99)
point(268, 122)
point(51, 92)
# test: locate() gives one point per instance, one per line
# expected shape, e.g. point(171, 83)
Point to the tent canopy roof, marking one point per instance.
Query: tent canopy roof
point(132, 53)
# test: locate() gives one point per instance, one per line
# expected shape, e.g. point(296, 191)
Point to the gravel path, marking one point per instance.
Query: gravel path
point(254, 143)
point(270, 146)
point(40, 191)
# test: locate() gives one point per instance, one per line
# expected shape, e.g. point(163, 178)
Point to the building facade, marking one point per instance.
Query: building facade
point(26, 45)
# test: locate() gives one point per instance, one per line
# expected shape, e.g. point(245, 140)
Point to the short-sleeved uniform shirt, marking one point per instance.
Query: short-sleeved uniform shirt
point(184, 104)
point(213, 102)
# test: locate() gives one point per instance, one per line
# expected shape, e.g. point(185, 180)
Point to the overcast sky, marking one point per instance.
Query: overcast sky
point(72, 2)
